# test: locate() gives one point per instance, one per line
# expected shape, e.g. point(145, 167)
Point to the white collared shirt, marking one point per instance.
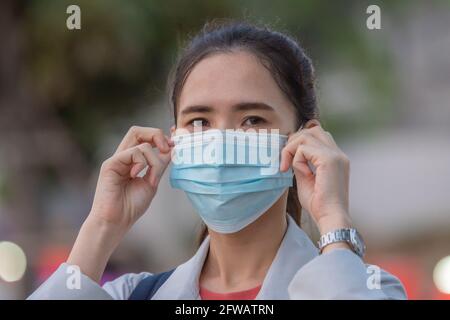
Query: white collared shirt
point(297, 272)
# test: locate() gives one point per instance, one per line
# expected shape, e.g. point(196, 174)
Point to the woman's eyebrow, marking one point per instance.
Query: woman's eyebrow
point(245, 106)
point(242, 106)
point(197, 109)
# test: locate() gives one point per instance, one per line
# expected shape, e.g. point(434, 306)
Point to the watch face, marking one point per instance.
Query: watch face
point(357, 242)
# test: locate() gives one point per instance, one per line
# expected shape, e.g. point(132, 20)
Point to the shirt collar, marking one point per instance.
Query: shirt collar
point(296, 249)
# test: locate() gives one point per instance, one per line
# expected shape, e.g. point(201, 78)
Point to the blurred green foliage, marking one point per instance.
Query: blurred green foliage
point(124, 50)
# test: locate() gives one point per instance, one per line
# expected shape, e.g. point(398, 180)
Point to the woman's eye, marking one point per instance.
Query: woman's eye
point(254, 121)
point(199, 122)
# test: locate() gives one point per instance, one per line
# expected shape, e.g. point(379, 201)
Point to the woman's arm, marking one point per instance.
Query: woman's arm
point(341, 274)
point(121, 197)
point(323, 193)
point(337, 273)
point(94, 245)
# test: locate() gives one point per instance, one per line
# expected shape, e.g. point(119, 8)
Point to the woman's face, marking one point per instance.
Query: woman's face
point(234, 91)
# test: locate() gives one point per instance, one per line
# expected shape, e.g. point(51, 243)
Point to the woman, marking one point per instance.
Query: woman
point(234, 76)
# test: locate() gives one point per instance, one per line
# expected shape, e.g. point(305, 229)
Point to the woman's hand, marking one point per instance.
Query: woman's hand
point(324, 194)
point(121, 197)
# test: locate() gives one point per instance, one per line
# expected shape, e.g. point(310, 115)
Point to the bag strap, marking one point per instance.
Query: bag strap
point(148, 286)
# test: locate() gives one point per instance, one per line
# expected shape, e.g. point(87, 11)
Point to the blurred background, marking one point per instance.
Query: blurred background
point(67, 97)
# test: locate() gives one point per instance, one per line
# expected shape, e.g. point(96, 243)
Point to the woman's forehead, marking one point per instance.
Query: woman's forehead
point(229, 78)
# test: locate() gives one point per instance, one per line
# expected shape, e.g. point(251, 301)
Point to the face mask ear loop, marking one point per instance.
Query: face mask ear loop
point(301, 127)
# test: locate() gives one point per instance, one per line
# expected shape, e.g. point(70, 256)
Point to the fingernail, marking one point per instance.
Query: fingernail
point(170, 141)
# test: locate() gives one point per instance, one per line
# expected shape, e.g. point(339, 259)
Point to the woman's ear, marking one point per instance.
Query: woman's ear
point(311, 124)
point(172, 130)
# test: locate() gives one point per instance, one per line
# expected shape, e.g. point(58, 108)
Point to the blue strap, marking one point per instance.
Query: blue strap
point(148, 286)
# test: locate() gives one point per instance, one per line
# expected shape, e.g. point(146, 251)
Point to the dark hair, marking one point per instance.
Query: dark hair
point(279, 53)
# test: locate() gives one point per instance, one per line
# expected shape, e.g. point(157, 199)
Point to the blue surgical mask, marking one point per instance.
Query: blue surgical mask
point(230, 177)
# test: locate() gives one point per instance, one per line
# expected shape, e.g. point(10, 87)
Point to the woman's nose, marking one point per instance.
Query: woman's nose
point(224, 124)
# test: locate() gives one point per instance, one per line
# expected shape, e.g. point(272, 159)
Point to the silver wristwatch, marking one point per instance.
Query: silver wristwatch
point(349, 235)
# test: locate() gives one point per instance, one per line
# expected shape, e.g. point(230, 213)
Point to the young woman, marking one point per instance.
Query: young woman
point(234, 76)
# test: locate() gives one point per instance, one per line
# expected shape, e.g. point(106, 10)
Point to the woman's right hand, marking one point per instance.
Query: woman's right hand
point(121, 197)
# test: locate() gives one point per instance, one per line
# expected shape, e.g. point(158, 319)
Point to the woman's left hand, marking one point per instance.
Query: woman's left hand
point(324, 194)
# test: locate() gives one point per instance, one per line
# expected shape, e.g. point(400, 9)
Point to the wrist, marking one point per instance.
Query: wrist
point(336, 245)
point(105, 228)
point(94, 245)
point(331, 222)
point(337, 232)
point(104, 236)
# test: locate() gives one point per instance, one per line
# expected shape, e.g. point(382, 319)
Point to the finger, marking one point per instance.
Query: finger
point(136, 168)
point(157, 164)
point(300, 161)
point(331, 138)
point(170, 142)
point(289, 150)
point(127, 163)
point(137, 135)
point(304, 175)
point(304, 137)
point(149, 176)
point(322, 135)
